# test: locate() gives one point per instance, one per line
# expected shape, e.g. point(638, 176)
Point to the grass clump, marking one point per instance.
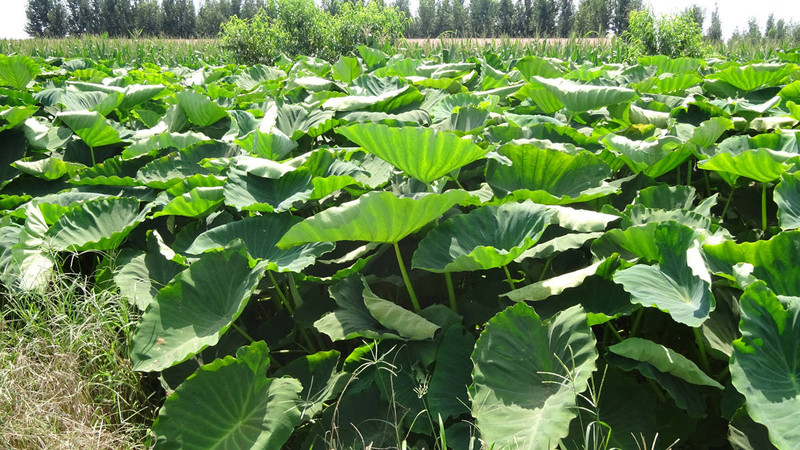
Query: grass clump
point(65, 379)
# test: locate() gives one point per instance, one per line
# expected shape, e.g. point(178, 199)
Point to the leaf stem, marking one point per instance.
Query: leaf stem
point(656, 389)
point(458, 183)
point(614, 331)
point(298, 301)
point(689, 172)
point(409, 287)
point(727, 203)
point(508, 277)
point(306, 338)
point(451, 293)
point(546, 266)
point(91, 150)
point(637, 321)
point(284, 302)
point(701, 347)
point(242, 332)
point(764, 206)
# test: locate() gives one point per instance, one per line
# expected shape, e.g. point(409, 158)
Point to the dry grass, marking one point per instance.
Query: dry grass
point(64, 379)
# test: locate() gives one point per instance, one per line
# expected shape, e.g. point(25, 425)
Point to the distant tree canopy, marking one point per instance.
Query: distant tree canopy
point(433, 18)
point(461, 18)
point(118, 18)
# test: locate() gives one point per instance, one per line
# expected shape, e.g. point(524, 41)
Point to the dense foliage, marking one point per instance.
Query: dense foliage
point(298, 27)
point(673, 36)
point(431, 18)
point(499, 251)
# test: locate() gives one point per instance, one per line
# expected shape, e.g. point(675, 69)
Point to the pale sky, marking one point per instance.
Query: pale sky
point(733, 13)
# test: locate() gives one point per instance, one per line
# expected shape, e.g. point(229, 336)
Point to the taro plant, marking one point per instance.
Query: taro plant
point(596, 226)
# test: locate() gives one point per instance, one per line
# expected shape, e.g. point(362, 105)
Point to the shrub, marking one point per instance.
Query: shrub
point(372, 24)
point(674, 36)
point(298, 27)
point(290, 26)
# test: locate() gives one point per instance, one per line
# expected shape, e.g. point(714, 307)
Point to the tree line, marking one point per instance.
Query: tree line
point(480, 18)
point(520, 18)
point(433, 18)
point(125, 18)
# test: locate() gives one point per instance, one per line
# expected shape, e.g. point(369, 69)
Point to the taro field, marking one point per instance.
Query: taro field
point(500, 252)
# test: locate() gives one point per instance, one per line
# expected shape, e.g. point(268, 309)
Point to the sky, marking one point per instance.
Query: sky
point(733, 13)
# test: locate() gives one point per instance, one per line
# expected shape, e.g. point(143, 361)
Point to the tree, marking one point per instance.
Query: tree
point(505, 13)
point(715, 28)
point(753, 32)
point(426, 18)
point(523, 19)
point(248, 8)
point(444, 17)
point(403, 7)
point(543, 20)
point(620, 14)
point(37, 13)
point(769, 29)
point(57, 20)
point(79, 17)
point(146, 14)
point(592, 16)
point(781, 31)
point(566, 18)
point(483, 16)
point(116, 15)
point(698, 14)
point(178, 18)
point(460, 18)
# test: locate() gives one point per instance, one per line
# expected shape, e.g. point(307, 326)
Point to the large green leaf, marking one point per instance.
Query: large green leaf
point(581, 97)
point(230, 403)
point(776, 261)
point(543, 289)
point(549, 176)
point(385, 101)
point(256, 184)
point(753, 76)
point(195, 309)
point(361, 313)
point(18, 70)
point(11, 116)
point(32, 255)
point(346, 69)
point(91, 127)
point(198, 202)
point(674, 372)
point(787, 197)
point(100, 224)
point(320, 379)
point(679, 284)
point(527, 376)
point(447, 392)
point(408, 325)
point(102, 102)
point(653, 157)
point(760, 164)
point(374, 217)
point(167, 171)
point(199, 109)
point(423, 153)
point(488, 237)
point(766, 362)
point(260, 234)
point(139, 275)
point(271, 144)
